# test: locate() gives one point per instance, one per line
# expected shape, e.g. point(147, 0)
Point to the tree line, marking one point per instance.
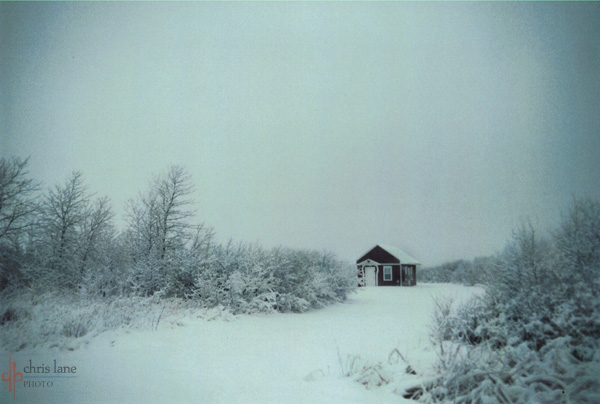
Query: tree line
point(64, 239)
point(465, 272)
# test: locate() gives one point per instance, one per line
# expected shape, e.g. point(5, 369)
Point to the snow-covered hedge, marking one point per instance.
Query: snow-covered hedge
point(249, 279)
point(238, 279)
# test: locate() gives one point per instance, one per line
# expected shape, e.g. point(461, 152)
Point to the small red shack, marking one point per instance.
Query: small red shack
point(384, 265)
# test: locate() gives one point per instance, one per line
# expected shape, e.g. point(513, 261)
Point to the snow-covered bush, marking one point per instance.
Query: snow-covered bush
point(248, 278)
point(395, 373)
point(57, 318)
point(535, 335)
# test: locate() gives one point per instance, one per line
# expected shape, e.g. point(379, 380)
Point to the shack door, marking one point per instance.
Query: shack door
point(370, 277)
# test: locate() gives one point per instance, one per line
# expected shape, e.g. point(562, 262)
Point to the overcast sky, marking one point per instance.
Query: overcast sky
point(435, 127)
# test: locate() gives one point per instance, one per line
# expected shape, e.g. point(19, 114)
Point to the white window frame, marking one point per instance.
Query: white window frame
point(385, 278)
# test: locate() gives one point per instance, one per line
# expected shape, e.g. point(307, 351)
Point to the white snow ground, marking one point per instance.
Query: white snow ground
point(277, 358)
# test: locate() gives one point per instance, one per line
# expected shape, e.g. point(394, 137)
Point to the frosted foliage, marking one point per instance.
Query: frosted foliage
point(67, 321)
point(280, 279)
point(534, 337)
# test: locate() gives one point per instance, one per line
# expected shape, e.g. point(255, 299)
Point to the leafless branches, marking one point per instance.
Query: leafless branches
point(16, 202)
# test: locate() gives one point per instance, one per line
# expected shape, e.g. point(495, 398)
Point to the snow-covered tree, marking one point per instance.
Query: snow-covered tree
point(16, 196)
point(578, 240)
point(72, 233)
point(17, 208)
point(96, 232)
point(63, 213)
point(160, 228)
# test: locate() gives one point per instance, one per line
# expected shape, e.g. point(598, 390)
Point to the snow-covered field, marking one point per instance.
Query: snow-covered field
point(277, 358)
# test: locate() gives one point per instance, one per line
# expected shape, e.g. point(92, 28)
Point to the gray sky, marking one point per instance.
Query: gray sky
point(435, 127)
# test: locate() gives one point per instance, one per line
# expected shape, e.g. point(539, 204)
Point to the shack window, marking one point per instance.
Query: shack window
point(387, 273)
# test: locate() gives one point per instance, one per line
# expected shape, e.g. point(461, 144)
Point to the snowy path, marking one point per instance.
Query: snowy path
point(252, 359)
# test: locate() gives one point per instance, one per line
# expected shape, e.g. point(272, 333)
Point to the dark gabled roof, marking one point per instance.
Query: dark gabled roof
point(396, 253)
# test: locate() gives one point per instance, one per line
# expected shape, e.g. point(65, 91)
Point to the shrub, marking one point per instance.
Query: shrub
point(535, 335)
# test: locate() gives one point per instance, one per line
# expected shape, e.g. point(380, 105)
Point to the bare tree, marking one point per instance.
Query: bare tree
point(172, 209)
point(64, 211)
point(578, 239)
point(16, 202)
point(160, 226)
point(160, 218)
point(96, 226)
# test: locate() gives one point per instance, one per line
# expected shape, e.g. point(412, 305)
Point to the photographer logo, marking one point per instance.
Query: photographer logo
point(35, 376)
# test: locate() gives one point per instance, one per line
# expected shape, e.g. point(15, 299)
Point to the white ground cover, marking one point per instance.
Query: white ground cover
point(275, 358)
